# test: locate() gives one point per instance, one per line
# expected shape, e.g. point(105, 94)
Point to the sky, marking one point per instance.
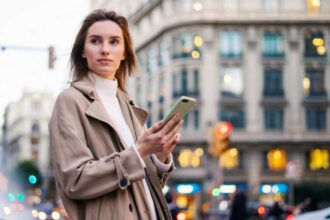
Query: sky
point(36, 24)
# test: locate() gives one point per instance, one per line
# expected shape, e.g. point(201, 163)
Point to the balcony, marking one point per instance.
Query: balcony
point(272, 55)
point(316, 98)
point(273, 93)
point(194, 93)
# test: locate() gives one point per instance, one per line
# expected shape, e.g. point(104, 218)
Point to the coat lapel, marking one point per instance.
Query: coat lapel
point(96, 110)
point(137, 115)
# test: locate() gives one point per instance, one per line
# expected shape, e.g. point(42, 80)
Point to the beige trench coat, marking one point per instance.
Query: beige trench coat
point(96, 176)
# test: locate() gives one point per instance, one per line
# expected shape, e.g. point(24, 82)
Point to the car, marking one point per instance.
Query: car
point(323, 214)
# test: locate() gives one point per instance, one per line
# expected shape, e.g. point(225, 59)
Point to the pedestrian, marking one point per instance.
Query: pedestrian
point(174, 209)
point(107, 164)
point(276, 212)
point(238, 206)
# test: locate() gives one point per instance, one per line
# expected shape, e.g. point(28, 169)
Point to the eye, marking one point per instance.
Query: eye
point(114, 41)
point(95, 40)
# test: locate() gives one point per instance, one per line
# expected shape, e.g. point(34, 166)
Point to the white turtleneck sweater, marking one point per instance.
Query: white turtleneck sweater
point(107, 90)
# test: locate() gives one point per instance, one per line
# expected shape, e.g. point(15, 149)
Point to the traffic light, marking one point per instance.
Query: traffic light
point(220, 138)
point(32, 179)
point(51, 57)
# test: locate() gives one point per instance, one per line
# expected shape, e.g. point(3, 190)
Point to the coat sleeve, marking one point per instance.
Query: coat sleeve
point(77, 172)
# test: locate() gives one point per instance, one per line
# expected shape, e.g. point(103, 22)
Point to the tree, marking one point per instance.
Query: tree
point(26, 174)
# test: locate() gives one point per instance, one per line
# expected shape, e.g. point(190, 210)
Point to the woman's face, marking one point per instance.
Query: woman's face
point(104, 48)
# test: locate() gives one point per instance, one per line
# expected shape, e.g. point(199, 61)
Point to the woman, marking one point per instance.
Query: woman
point(107, 165)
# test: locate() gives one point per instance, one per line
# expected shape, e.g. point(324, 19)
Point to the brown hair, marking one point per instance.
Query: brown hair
point(79, 67)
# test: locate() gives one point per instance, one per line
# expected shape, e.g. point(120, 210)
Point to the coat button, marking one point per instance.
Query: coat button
point(123, 182)
point(130, 206)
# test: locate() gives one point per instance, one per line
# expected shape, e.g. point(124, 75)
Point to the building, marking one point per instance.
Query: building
point(25, 132)
point(263, 65)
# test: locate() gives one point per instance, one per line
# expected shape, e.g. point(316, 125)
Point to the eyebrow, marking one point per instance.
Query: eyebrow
point(98, 36)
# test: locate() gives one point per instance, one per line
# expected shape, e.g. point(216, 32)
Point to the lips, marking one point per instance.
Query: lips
point(105, 60)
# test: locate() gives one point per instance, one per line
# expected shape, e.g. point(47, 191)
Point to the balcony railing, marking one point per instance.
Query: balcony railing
point(273, 93)
point(194, 93)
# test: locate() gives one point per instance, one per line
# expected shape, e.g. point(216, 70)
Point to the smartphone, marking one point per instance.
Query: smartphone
point(182, 106)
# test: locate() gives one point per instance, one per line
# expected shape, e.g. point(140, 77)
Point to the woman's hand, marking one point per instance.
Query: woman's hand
point(160, 139)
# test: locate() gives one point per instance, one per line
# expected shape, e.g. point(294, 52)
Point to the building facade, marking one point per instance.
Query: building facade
point(25, 132)
point(262, 65)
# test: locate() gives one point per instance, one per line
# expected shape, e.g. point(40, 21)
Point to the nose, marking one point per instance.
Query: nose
point(104, 49)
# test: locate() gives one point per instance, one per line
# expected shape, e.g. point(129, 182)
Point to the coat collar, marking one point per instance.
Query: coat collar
point(96, 109)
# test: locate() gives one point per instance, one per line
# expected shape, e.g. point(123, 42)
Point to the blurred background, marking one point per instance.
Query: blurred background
point(257, 142)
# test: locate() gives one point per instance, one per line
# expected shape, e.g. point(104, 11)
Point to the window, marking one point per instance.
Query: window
point(273, 45)
point(231, 44)
point(190, 157)
point(161, 113)
point(273, 119)
point(149, 101)
point(151, 61)
point(161, 88)
point(313, 6)
point(138, 91)
point(149, 107)
point(186, 83)
point(162, 56)
point(234, 116)
point(315, 45)
point(276, 160)
point(196, 119)
point(319, 159)
point(34, 155)
point(231, 82)
point(196, 82)
point(35, 140)
point(191, 120)
point(35, 128)
point(316, 118)
point(313, 83)
point(230, 159)
point(187, 46)
point(273, 82)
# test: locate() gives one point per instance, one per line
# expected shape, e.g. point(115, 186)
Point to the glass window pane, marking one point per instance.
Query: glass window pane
point(273, 119)
point(313, 6)
point(196, 117)
point(273, 45)
point(277, 160)
point(231, 44)
point(230, 159)
point(231, 84)
point(316, 119)
point(234, 116)
point(196, 82)
point(319, 159)
point(315, 45)
point(273, 82)
point(184, 81)
point(314, 83)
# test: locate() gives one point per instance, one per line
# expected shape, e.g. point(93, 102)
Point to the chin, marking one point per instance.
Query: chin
point(106, 74)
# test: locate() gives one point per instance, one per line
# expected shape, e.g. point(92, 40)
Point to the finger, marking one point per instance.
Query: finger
point(156, 127)
point(172, 143)
point(171, 124)
point(175, 129)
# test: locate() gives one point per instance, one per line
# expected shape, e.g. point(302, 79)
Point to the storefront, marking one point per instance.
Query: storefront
point(270, 192)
